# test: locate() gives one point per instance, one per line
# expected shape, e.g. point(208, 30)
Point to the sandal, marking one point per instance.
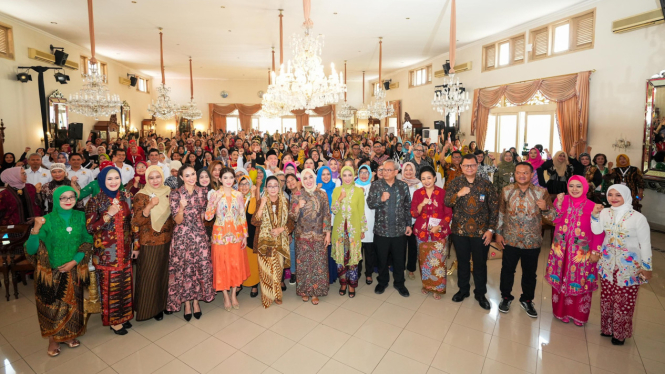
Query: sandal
point(73, 343)
point(352, 294)
point(424, 291)
point(305, 299)
point(54, 353)
point(369, 280)
point(278, 301)
point(315, 302)
point(342, 292)
point(437, 296)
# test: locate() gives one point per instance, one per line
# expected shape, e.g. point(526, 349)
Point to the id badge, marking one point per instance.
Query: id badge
point(482, 198)
point(512, 180)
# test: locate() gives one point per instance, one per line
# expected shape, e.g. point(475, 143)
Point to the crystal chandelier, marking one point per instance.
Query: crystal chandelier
point(346, 112)
point(190, 110)
point(270, 108)
point(451, 98)
point(164, 108)
point(379, 108)
point(363, 112)
point(303, 83)
point(94, 99)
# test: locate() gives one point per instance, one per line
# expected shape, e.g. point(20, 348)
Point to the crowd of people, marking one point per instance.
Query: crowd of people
point(201, 214)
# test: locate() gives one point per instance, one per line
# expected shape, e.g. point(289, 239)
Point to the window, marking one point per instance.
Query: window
point(317, 124)
point(102, 67)
point(420, 76)
point(6, 41)
point(375, 87)
point(506, 52)
point(142, 84)
point(233, 122)
point(571, 34)
point(523, 126)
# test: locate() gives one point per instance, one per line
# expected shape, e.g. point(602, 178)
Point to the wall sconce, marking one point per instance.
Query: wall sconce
point(621, 144)
point(461, 134)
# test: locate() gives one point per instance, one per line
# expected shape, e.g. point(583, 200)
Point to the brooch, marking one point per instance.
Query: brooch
point(69, 230)
point(152, 195)
point(115, 201)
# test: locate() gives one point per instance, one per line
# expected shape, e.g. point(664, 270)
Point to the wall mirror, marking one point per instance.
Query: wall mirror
point(653, 157)
point(125, 118)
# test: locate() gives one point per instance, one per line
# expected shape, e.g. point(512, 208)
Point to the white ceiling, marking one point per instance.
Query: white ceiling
point(234, 42)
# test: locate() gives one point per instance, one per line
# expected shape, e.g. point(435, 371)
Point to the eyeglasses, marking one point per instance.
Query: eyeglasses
point(388, 170)
point(418, 150)
point(470, 166)
point(65, 199)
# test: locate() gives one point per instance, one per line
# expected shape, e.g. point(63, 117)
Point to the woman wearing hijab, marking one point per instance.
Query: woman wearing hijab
point(249, 197)
point(505, 173)
point(172, 180)
point(190, 266)
point(571, 268)
point(7, 163)
point(108, 219)
point(138, 182)
point(536, 160)
point(152, 228)
point(60, 247)
point(325, 182)
point(399, 155)
point(224, 157)
point(312, 237)
point(431, 230)
point(334, 169)
point(625, 261)
point(63, 158)
point(630, 176)
point(409, 176)
point(18, 202)
point(559, 170)
point(59, 178)
point(349, 230)
point(368, 251)
point(271, 240)
point(229, 239)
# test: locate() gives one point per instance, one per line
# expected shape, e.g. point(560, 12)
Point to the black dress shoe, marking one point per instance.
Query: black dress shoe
point(284, 287)
point(379, 289)
point(127, 325)
point(369, 281)
point(198, 315)
point(529, 308)
point(482, 301)
point(459, 296)
point(238, 290)
point(292, 280)
point(606, 335)
point(504, 306)
point(188, 317)
point(402, 291)
point(616, 341)
point(254, 293)
point(159, 316)
point(122, 331)
point(168, 312)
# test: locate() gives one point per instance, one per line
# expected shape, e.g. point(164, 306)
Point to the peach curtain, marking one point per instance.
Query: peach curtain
point(328, 113)
point(570, 92)
point(302, 119)
point(218, 114)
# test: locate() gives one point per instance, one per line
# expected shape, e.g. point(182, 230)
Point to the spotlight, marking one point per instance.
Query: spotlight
point(446, 67)
point(132, 80)
point(24, 77)
point(60, 55)
point(61, 78)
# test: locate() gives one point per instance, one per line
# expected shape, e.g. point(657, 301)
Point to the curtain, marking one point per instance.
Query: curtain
point(302, 119)
point(245, 112)
point(570, 92)
point(328, 112)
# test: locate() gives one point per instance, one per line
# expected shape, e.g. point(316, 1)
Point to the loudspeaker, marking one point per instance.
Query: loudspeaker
point(76, 131)
point(386, 85)
point(439, 125)
point(446, 67)
point(60, 57)
point(133, 81)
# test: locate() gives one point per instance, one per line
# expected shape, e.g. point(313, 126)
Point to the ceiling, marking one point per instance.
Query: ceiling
point(232, 39)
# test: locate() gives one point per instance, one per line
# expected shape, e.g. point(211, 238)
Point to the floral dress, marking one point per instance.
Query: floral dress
point(190, 266)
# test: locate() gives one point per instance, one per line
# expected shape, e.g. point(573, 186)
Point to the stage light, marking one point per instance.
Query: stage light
point(23, 77)
point(61, 78)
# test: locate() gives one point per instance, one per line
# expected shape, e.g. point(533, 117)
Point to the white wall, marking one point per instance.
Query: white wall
point(622, 62)
point(19, 102)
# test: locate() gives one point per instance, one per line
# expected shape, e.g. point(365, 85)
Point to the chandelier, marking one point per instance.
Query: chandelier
point(452, 98)
point(303, 84)
point(346, 112)
point(379, 108)
point(164, 108)
point(270, 108)
point(94, 99)
point(190, 110)
point(363, 112)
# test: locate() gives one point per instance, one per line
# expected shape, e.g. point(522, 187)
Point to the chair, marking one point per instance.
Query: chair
point(12, 239)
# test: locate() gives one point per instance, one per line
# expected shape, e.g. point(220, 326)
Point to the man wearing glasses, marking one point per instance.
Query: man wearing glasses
point(452, 170)
point(391, 202)
point(418, 160)
point(379, 156)
point(475, 217)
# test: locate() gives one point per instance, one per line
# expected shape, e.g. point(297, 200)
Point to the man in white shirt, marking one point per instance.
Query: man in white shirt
point(51, 153)
point(153, 156)
point(271, 163)
point(75, 170)
point(126, 171)
point(37, 175)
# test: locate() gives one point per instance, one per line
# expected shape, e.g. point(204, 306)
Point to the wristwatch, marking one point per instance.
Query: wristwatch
point(492, 231)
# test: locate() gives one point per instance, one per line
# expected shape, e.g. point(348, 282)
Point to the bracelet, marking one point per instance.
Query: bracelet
point(32, 231)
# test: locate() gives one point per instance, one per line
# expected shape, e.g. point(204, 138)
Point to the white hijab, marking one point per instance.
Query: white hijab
point(627, 200)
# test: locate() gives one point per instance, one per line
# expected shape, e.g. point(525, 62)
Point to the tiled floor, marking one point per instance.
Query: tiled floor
point(369, 334)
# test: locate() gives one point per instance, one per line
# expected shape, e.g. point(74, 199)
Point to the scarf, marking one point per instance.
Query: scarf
point(263, 182)
point(369, 180)
point(627, 161)
point(619, 211)
point(175, 165)
point(12, 177)
point(7, 165)
point(249, 194)
point(334, 174)
point(506, 167)
point(292, 164)
point(560, 167)
point(327, 187)
point(349, 187)
point(65, 214)
point(141, 176)
point(269, 220)
point(576, 201)
point(302, 175)
point(161, 212)
point(66, 157)
point(101, 179)
point(535, 162)
point(412, 182)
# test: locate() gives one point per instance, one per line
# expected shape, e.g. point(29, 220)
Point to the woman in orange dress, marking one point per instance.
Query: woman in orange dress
point(229, 239)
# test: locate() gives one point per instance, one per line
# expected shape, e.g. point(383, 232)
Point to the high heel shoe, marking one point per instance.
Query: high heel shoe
point(342, 292)
point(54, 353)
point(238, 290)
point(254, 293)
point(121, 331)
point(198, 314)
point(127, 325)
point(188, 317)
point(235, 306)
point(73, 343)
